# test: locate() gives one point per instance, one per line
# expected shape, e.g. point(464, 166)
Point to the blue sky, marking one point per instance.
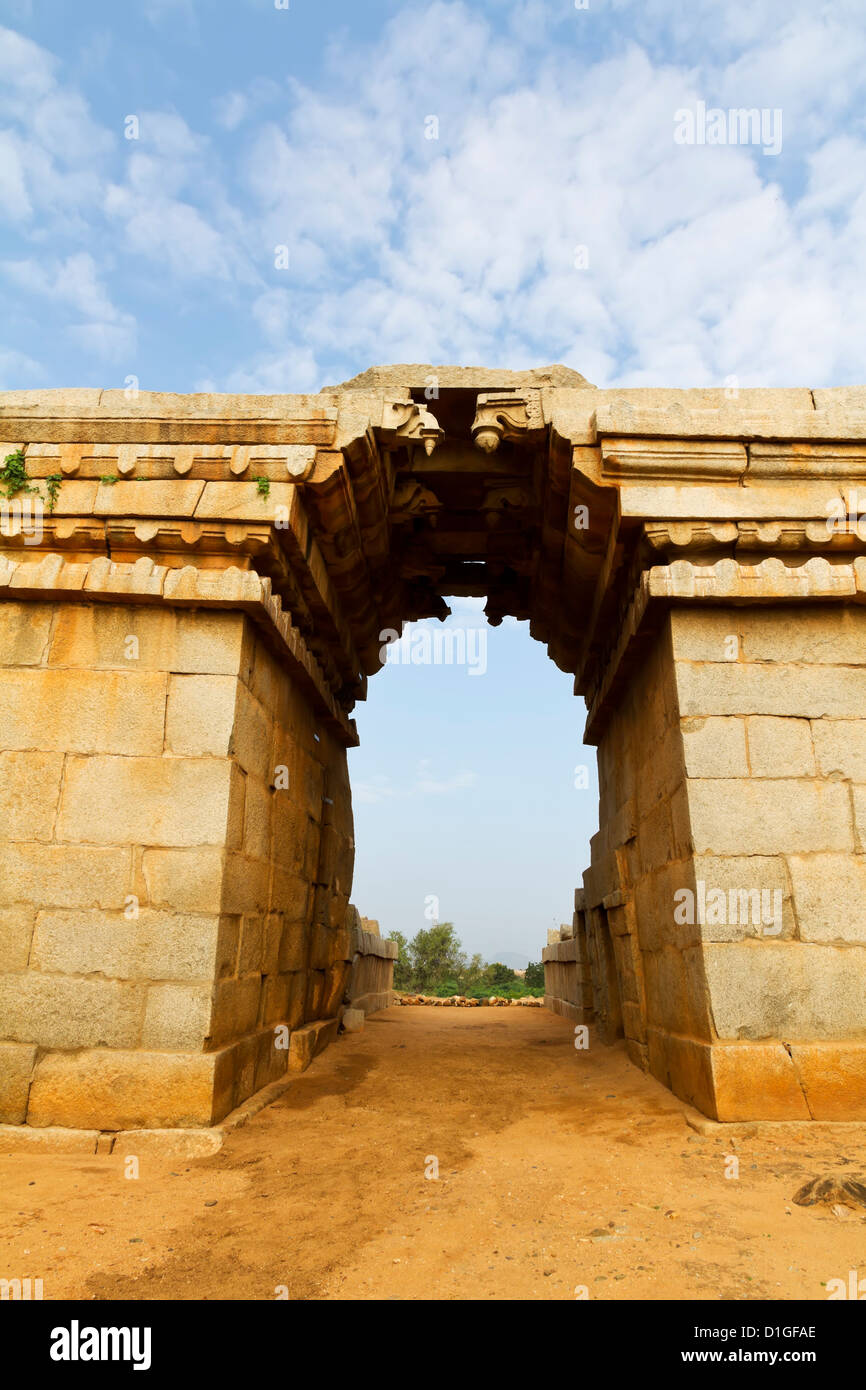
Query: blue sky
point(466, 790)
point(307, 128)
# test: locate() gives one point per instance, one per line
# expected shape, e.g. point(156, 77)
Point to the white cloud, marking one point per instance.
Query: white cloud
point(437, 786)
point(463, 249)
point(171, 11)
point(18, 371)
point(106, 331)
point(425, 783)
point(14, 198)
point(231, 109)
point(235, 107)
point(704, 262)
point(173, 207)
point(51, 151)
point(289, 370)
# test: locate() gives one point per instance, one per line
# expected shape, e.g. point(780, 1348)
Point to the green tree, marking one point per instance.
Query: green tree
point(534, 977)
point(499, 976)
point(403, 964)
point(436, 956)
point(472, 974)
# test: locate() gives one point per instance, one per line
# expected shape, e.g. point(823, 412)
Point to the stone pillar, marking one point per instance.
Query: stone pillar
point(772, 706)
point(727, 877)
point(177, 854)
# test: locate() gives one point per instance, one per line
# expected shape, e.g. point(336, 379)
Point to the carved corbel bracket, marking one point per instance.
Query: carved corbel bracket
point(411, 499)
point(506, 500)
point(412, 423)
point(504, 415)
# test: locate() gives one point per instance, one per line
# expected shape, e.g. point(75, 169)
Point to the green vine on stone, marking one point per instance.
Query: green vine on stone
point(109, 479)
point(263, 486)
point(52, 487)
point(13, 475)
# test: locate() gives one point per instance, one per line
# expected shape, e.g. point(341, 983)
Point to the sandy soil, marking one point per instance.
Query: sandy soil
point(558, 1169)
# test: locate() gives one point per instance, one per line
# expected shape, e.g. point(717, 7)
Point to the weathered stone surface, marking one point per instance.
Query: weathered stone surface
point(306, 1042)
point(200, 715)
point(715, 748)
point(805, 637)
point(804, 692)
point(24, 633)
point(769, 816)
point(113, 1089)
point(780, 747)
point(756, 1081)
point(164, 801)
point(29, 793)
point(833, 1076)
point(62, 1011)
point(64, 875)
point(759, 884)
point(676, 991)
point(235, 1007)
point(16, 1070)
point(166, 639)
point(150, 946)
point(186, 880)
point(840, 748)
point(89, 712)
point(16, 934)
point(167, 1143)
point(830, 896)
point(789, 990)
point(20, 1138)
point(177, 1017)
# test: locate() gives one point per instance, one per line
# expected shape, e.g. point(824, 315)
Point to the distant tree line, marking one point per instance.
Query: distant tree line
point(434, 962)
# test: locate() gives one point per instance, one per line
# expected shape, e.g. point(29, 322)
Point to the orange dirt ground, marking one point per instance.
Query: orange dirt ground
point(557, 1169)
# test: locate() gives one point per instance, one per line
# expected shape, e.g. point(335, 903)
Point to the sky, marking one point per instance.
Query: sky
point(267, 197)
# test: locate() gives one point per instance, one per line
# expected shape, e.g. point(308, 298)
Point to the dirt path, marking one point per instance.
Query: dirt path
point(557, 1169)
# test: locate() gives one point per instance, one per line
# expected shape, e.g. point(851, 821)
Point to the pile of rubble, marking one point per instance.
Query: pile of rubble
point(460, 1001)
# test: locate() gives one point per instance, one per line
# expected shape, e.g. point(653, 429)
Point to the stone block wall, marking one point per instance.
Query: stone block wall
point(371, 980)
point(725, 880)
point(773, 716)
point(646, 983)
point(567, 977)
point(175, 866)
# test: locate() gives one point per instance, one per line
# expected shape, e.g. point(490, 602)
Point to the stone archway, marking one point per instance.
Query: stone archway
point(186, 631)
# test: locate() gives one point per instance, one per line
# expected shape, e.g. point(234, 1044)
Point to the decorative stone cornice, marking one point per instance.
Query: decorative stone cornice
point(673, 458)
point(770, 580)
point(790, 535)
point(158, 462)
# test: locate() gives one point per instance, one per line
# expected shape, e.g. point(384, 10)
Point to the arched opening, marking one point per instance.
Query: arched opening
point(474, 798)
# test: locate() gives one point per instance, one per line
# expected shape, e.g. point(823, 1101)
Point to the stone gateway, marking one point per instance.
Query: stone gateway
point(189, 619)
